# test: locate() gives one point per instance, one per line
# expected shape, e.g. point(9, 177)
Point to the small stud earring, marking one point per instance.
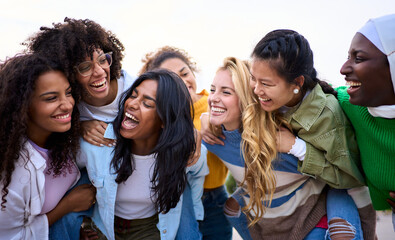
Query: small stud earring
point(296, 91)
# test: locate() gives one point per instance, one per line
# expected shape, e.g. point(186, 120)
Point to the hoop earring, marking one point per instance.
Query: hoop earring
point(296, 91)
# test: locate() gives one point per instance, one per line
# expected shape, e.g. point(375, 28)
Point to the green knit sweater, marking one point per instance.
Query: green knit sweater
point(376, 141)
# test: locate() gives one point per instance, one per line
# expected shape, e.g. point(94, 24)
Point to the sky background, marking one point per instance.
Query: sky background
point(209, 30)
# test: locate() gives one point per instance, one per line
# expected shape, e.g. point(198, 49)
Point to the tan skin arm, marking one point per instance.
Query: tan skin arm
point(80, 198)
point(93, 132)
point(207, 135)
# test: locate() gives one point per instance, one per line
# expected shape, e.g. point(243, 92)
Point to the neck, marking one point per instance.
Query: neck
point(39, 139)
point(103, 101)
point(143, 147)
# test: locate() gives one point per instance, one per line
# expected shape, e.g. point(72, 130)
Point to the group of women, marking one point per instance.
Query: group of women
point(90, 152)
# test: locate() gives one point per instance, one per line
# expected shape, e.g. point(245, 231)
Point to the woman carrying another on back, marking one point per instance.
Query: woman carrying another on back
point(39, 143)
point(369, 103)
point(285, 83)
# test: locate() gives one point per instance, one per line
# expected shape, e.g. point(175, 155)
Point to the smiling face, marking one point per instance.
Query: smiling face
point(97, 88)
point(179, 67)
point(50, 108)
point(141, 122)
point(272, 90)
point(367, 73)
point(223, 102)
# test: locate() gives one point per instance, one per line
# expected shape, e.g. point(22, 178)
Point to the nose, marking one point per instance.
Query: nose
point(346, 68)
point(214, 97)
point(67, 104)
point(132, 103)
point(257, 89)
point(97, 69)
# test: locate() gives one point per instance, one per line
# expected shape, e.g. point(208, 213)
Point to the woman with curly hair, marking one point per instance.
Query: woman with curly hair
point(39, 143)
point(148, 174)
point(214, 224)
point(91, 56)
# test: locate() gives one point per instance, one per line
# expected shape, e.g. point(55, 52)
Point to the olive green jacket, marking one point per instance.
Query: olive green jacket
point(332, 154)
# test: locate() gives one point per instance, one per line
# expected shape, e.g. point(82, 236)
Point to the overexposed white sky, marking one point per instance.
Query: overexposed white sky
point(209, 30)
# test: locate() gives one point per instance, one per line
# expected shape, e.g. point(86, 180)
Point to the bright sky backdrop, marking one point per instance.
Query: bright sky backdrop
point(209, 30)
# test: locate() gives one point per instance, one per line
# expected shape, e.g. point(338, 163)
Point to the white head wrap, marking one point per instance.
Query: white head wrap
point(381, 32)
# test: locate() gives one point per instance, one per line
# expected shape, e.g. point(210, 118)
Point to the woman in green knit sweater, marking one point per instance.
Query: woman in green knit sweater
point(369, 103)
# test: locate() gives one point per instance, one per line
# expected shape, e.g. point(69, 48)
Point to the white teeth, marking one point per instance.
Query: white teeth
point(264, 99)
point(219, 110)
point(128, 115)
point(353, 84)
point(63, 116)
point(96, 84)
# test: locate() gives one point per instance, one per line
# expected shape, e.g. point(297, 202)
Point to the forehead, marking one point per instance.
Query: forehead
point(223, 78)
point(51, 80)
point(148, 87)
point(174, 64)
point(96, 52)
point(361, 43)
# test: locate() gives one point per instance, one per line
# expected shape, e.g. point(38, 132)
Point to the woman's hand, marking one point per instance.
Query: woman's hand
point(80, 198)
point(285, 140)
point(207, 135)
point(93, 132)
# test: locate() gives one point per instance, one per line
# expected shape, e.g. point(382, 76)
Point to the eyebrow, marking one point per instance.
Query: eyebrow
point(49, 93)
point(225, 88)
point(145, 96)
point(182, 69)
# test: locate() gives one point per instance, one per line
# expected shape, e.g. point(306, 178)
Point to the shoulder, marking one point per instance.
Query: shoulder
point(127, 79)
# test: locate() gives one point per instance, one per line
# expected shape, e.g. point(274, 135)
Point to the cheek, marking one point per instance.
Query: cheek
point(252, 85)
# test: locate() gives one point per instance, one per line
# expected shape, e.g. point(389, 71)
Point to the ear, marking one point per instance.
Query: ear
point(299, 81)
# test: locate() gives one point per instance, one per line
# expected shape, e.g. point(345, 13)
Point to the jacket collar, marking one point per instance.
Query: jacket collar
point(307, 113)
point(34, 156)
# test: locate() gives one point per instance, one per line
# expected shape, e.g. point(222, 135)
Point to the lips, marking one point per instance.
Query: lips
point(353, 86)
point(99, 85)
point(65, 117)
point(216, 111)
point(264, 99)
point(130, 121)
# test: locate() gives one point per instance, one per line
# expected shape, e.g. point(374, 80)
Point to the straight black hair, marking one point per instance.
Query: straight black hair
point(176, 143)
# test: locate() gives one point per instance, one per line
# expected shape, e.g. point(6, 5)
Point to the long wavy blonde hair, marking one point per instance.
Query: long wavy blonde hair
point(259, 131)
point(259, 150)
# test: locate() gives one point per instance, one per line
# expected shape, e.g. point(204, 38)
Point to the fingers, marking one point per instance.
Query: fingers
point(212, 139)
point(99, 141)
point(93, 132)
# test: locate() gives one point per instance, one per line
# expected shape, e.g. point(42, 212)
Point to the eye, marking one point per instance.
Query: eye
point(212, 90)
point(359, 59)
point(133, 96)
point(227, 92)
point(252, 78)
point(69, 93)
point(50, 98)
point(147, 105)
point(102, 60)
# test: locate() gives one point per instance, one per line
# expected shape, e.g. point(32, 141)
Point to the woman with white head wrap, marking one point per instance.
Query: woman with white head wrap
point(369, 103)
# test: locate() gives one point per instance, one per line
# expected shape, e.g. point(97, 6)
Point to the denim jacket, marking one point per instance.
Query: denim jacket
point(97, 162)
point(332, 153)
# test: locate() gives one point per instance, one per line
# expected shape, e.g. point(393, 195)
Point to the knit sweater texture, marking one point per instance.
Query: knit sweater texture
point(298, 203)
point(376, 141)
